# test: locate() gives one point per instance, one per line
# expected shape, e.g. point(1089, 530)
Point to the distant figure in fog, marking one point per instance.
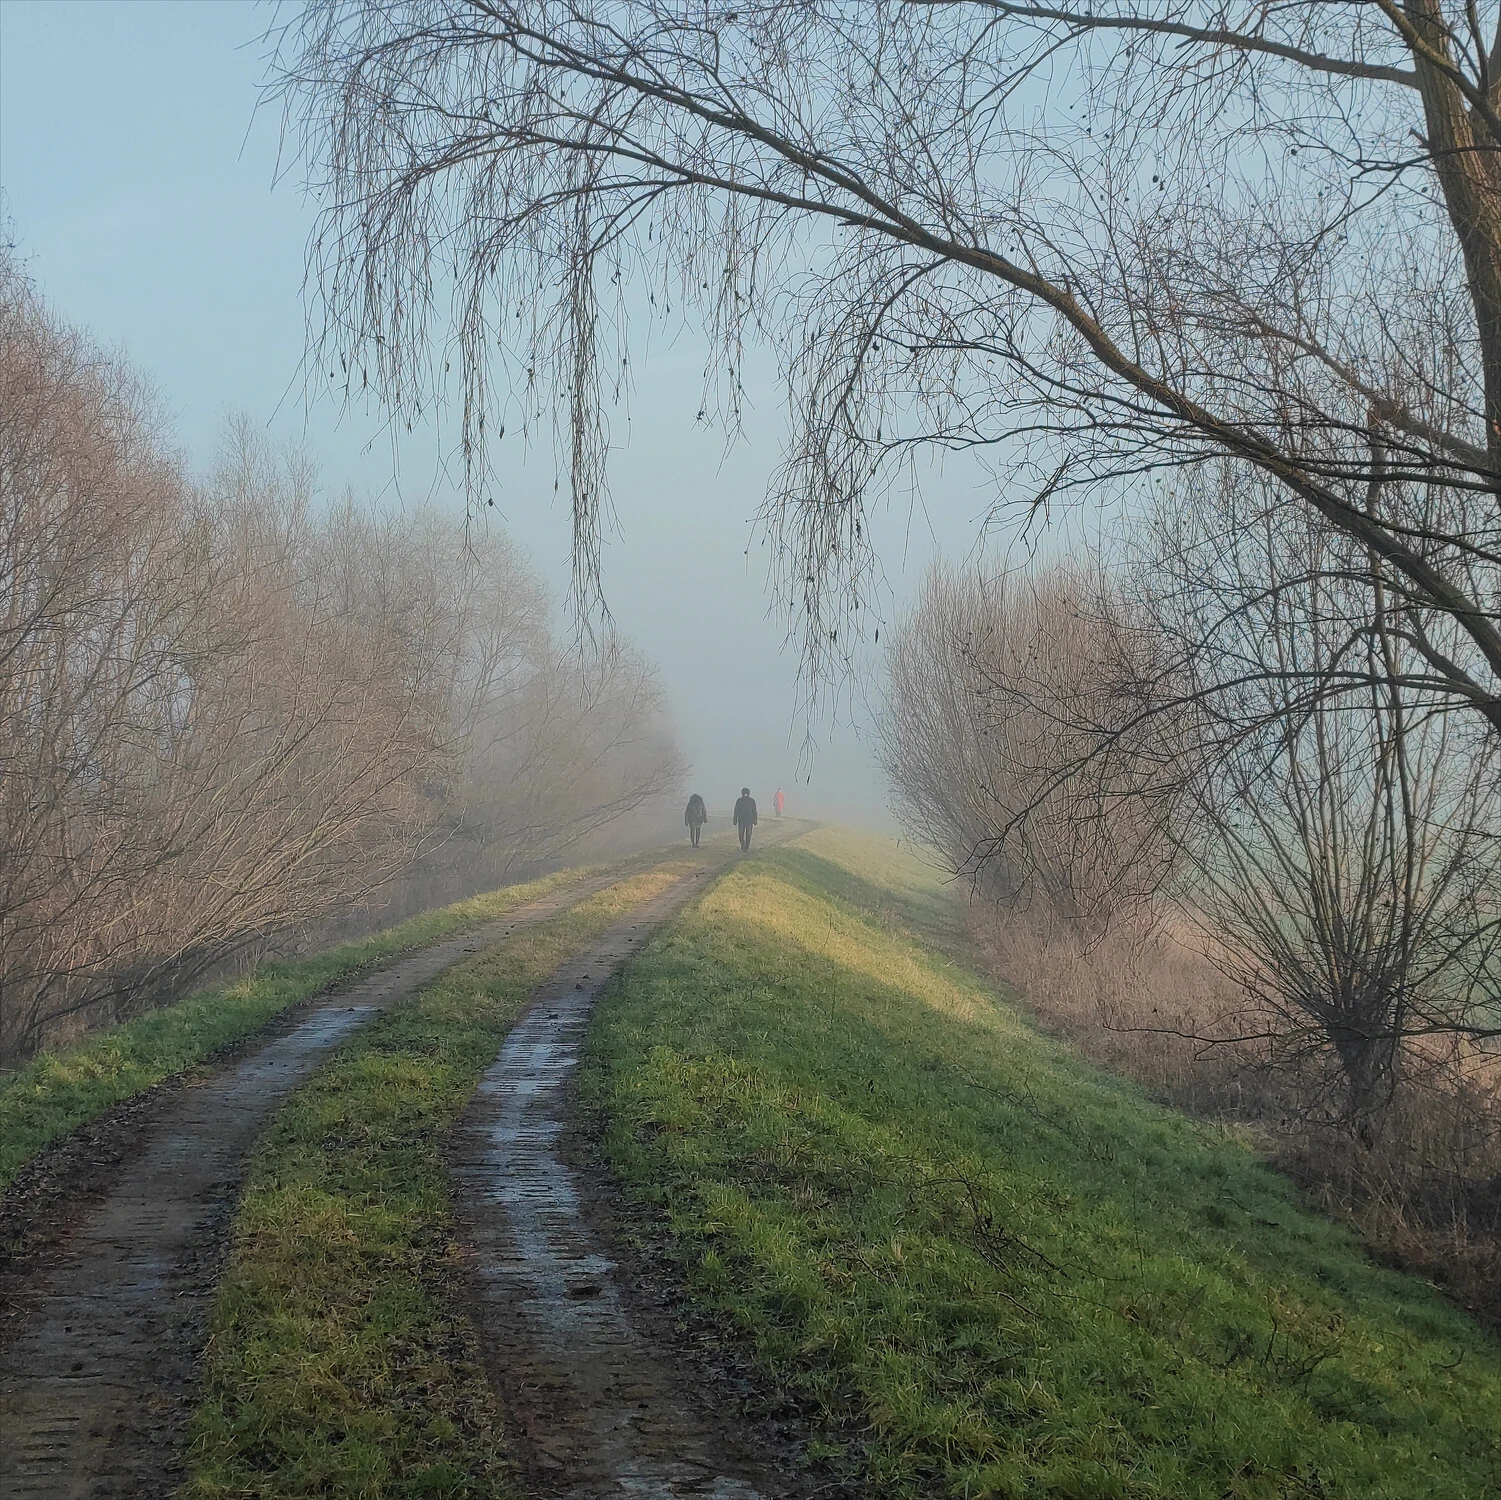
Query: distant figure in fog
point(696, 816)
point(745, 818)
point(779, 802)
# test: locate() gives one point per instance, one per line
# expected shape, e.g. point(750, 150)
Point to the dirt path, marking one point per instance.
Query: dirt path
point(600, 1410)
point(98, 1364)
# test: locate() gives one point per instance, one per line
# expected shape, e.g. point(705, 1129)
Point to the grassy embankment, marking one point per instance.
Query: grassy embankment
point(338, 1365)
point(55, 1092)
point(1012, 1274)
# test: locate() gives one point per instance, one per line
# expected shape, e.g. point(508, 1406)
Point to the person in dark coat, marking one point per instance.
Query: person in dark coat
point(745, 817)
point(696, 816)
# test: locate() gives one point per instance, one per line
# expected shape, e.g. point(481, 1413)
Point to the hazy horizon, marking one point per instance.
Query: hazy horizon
point(146, 212)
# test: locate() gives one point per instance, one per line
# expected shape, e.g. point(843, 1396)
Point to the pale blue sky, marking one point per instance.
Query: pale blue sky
point(138, 186)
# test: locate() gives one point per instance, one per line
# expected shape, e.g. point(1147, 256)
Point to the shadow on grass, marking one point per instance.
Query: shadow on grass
point(922, 913)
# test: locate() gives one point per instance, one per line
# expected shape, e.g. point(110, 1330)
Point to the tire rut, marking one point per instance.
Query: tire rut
point(597, 1409)
point(98, 1369)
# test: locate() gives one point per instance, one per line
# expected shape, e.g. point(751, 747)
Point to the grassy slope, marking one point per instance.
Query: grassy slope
point(338, 1366)
point(1019, 1276)
point(58, 1091)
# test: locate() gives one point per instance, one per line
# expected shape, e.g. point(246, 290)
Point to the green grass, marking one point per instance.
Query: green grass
point(1013, 1276)
point(58, 1091)
point(338, 1365)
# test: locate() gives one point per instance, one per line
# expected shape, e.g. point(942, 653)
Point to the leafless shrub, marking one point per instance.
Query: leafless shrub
point(1017, 742)
point(1138, 1000)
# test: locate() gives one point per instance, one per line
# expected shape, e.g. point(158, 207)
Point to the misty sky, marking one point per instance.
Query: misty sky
point(138, 186)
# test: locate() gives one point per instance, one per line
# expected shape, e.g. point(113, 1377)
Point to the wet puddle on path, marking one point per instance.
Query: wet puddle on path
point(598, 1411)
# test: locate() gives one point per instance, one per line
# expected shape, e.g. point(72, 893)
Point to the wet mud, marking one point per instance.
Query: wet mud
point(103, 1333)
point(599, 1406)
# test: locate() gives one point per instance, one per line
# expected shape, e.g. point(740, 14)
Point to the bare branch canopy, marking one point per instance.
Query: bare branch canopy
point(1094, 243)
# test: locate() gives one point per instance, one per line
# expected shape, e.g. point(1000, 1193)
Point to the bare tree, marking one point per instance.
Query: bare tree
point(1093, 242)
point(1265, 756)
point(98, 617)
point(199, 749)
point(1344, 842)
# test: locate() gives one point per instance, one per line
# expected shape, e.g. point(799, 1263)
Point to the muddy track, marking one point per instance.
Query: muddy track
point(101, 1346)
point(599, 1407)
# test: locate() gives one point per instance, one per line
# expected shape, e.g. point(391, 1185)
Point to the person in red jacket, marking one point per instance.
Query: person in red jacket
point(745, 818)
point(779, 802)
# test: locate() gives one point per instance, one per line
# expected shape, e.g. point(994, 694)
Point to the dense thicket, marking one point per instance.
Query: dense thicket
point(228, 711)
